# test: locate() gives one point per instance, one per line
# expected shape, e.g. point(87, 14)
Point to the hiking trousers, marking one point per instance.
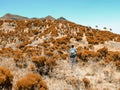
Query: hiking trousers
point(73, 60)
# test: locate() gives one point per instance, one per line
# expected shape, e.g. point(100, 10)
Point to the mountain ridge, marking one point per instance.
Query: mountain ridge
point(9, 16)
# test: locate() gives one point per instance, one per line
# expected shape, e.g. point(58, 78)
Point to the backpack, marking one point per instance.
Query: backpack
point(72, 53)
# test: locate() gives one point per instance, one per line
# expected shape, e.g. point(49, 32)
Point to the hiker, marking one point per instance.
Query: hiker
point(73, 54)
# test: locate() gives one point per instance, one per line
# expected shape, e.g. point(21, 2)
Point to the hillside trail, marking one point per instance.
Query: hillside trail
point(61, 76)
point(64, 76)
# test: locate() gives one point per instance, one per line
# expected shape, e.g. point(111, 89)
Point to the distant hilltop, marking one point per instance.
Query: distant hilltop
point(10, 16)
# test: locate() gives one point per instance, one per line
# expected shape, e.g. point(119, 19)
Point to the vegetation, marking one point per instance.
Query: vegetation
point(31, 82)
point(6, 79)
point(38, 46)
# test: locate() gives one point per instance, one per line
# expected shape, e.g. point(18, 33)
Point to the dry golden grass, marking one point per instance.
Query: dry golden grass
point(42, 47)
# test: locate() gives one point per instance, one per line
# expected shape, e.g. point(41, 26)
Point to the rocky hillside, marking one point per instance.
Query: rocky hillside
point(34, 55)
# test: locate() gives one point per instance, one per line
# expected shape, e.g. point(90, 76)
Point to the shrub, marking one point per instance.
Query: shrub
point(6, 79)
point(64, 56)
point(86, 83)
point(50, 63)
point(43, 64)
point(1, 22)
point(32, 67)
point(54, 32)
point(63, 40)
point(86, 55)
point(75, 82)
point(118, 39)
point(23, 44)
point(64, 47)
point(20, 59)
point(103, 51)
point(39, 61)
point(31, 82)
point(79, 49)
point(117, 63)
point(6, 52)
point(92, 40)
point(78, 38)
point(49, 53)
point(112, 56)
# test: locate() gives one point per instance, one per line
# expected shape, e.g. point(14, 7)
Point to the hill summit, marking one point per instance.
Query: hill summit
point(9, 16)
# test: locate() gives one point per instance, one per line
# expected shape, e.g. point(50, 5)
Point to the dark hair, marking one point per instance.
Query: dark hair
point(72, 46)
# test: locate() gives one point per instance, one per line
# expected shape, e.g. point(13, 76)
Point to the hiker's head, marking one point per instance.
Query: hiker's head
point(72, 46)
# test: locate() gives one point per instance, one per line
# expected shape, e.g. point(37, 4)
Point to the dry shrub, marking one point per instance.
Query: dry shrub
point(1, 22)
point(50, 63)
point(113, 57)
point(117, 63)
point(31, 82)
point(96, 36)
point(55, 56)
point(64, 47)
point(35, 32)
point(116, 56)
point(87, 84)
point(64, 56)
point(75, 82)
point(78, 38)
point(63, 40)
point(91, 46)
point(47, 31)
point(23, 44)
point(92, 40)
point(79, 48)
point(6, 79)
point(32, 51)
point(60, 51)
point(102, 63)
point(32, 67)
point(78, 59)
point(45, 44)
point(54, 47)
point(6, 52)
point(44, 65)
point(49, 53)
point(103, 52)
point(54, 32)
point(20, 59)
point(39, 61)
point(108, 58)
point(118, 39)
point(86, 55)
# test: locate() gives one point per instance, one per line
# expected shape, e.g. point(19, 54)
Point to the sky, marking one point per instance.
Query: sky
point(103, 13)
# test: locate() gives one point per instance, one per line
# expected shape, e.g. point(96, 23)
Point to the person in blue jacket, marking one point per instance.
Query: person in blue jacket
point(73, 54)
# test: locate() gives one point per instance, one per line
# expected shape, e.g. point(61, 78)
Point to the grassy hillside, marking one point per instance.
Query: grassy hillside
point(34, 55)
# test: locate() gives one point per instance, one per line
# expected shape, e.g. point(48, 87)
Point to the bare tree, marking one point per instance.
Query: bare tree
point(104, 28)
point(96, 26)
point(110, 29)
